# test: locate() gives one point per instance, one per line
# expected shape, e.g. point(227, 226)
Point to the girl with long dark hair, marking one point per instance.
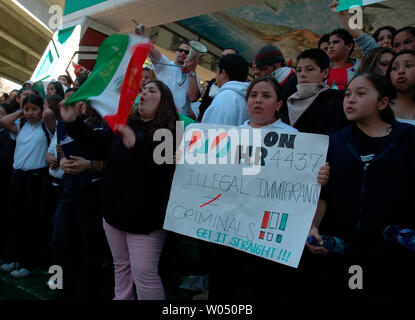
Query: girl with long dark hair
point(136, 190)
point(370, 188)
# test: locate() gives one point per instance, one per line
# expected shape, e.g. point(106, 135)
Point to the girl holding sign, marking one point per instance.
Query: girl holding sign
point(264, 98)
point(370, 188)
point(237, 279)
point(135, 236)
point(239, 275)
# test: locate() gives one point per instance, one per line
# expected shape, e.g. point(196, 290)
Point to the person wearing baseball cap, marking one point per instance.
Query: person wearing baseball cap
point(27, 84)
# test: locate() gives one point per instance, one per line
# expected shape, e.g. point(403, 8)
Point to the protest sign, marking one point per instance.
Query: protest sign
point(254, 190)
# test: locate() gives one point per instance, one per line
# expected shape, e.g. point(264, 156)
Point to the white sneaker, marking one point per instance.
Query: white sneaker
point(20, 273)
point(9, 267)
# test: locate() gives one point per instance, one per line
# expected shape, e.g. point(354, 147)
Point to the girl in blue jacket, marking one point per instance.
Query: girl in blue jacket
point(370, 188)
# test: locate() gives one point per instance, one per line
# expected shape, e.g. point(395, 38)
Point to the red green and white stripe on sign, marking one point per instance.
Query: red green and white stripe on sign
point(346, 4)
point(114, 83)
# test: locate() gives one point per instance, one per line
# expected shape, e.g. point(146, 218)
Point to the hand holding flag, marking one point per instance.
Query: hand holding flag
point(80, 71)
point(113, 85)
point(69, 113)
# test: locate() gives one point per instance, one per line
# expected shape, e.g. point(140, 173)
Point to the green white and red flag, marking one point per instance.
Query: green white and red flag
point(114, 83)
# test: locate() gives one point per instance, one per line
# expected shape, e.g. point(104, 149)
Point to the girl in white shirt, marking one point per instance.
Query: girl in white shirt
point(264, 98)
point(28, 181)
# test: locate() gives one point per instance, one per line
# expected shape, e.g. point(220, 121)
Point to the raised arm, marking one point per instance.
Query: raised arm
point(193, 90)
point(8, 121)
point(363, 40)
point(154, 54)
point(344, 17)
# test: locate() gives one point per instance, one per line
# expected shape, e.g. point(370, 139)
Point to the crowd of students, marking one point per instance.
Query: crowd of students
point(68, 181)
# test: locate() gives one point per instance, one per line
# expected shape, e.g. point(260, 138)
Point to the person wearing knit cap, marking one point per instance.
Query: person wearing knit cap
point(270, 61)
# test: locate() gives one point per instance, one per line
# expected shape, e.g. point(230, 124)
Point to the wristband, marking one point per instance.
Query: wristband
point(90, 165)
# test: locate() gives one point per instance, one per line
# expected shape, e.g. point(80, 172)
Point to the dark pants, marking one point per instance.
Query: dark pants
point(230, 274)
point(5, 173)
point(29, 221)
point(237, 275)
point(78, 241)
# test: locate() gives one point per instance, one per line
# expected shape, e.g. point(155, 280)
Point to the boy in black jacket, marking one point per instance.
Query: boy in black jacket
point(315, 108)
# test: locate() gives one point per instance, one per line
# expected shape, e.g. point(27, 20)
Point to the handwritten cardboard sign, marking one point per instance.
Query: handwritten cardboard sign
point(259, 197)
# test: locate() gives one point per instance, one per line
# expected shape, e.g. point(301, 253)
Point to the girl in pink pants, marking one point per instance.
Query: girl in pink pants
point(136, 189)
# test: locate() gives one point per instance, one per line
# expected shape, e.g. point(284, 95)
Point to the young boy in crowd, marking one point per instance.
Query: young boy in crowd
point(343, 68)
point(323, 42)
point(315, 108)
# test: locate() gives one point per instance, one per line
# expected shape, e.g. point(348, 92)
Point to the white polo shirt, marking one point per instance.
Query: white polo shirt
point(171, 76)
point(31, 147)
point(277, 125)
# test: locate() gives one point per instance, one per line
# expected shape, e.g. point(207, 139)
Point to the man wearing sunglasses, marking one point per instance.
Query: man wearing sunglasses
point(180, 75)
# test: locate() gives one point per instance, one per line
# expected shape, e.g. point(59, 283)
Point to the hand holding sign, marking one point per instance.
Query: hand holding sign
point(266, 212)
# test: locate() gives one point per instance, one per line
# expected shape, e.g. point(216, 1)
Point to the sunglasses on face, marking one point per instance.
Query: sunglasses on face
point(183, 50)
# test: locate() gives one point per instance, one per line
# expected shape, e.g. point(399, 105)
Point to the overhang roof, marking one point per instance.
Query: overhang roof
point(23, 38)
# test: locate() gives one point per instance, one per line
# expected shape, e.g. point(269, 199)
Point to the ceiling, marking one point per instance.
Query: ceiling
point(23, 37)
point(292, 25)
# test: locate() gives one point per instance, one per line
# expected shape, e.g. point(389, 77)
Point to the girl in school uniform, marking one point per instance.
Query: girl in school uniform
point(78, 238)
point(30, 171)
point(134, 230)
point(372, 167)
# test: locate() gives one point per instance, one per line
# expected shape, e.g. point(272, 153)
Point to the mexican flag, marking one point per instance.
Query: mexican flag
point(114, 83)
point(346, 4)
